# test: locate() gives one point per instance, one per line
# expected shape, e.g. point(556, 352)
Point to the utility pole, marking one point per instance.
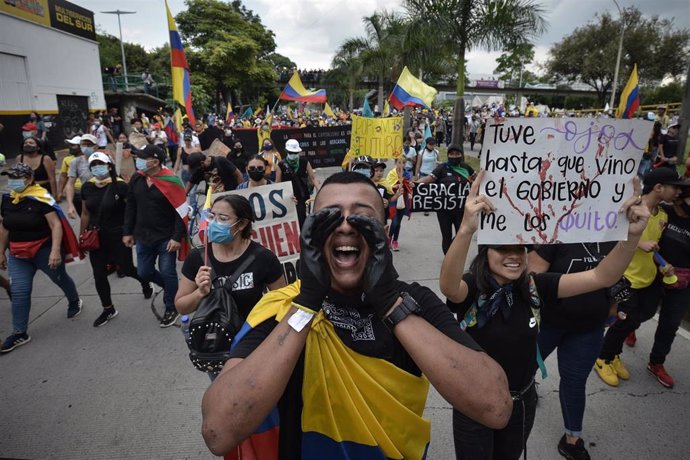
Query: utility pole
point(618, 59)
point(122, 46)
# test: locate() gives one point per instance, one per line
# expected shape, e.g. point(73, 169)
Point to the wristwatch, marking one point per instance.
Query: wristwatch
point(403, 310)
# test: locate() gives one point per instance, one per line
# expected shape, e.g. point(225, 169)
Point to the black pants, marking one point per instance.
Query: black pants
point(473, 139)
point(172, 153)
point(439, 137)
point(446, 221)
point(674, 307)
point(111, 250)
point(77, 201)
point(301, 208)
point(474, 441)
point(640, 307)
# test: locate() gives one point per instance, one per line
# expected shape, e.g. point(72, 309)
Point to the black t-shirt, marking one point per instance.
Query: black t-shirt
point(221, 171)
point(113, 208)
point(674, 245)
point(250, 286)
point(25, 221)
point(299, 177)
point(360, 330)
point(670, 144)
point(583, 312)
point(513, 342)
point(240, 161)
point(445, 175)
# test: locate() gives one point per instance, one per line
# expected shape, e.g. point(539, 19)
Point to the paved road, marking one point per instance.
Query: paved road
point(127, 390)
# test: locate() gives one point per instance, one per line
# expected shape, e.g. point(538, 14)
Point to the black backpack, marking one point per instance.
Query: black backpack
point(216, 322)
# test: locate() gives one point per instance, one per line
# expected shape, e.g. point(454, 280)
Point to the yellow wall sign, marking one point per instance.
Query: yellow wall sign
point(31, 10)
point(376, 137)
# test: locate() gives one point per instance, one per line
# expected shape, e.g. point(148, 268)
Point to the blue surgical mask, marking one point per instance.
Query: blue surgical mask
point(140, 163)
point(364, 172)
point(27, 134)
point(87, 150)
point(219, 232)
point(100, 171)
point(16, 185)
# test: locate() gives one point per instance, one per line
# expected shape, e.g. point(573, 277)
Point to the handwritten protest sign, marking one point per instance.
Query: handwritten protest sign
point(275, 223)
point(377, 137)
point(439, 197)
point(218, 149)
point(559, 179)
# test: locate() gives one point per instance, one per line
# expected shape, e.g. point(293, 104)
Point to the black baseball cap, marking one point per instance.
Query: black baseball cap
point(18, 171)
point(664, 176)
point(151, 151)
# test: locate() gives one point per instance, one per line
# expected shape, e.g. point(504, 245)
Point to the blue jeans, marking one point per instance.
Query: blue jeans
point(577, 352)
point(165, 276)
point(22, 273)
point(674, 307)
point(395, 224)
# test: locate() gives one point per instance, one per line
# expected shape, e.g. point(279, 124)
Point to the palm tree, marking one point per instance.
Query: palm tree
point(348, 66)
point(380, 50)
point(463, 25)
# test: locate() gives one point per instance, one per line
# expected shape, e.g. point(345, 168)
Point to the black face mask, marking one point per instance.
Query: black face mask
point(75, 151)
point(256, 175)
point(30, 148)
point(238, 150)
point(457, 161)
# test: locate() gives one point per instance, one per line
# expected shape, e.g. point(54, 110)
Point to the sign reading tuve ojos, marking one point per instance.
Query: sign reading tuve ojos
point(559, 180)
point(275, 223)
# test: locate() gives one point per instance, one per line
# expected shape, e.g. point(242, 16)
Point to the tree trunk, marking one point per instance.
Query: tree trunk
point(458, 135)
point(351, 104)
point(379, 99)
point(684, 121)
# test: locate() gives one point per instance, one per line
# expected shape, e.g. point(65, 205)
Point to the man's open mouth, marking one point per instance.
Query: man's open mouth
point(346, 256)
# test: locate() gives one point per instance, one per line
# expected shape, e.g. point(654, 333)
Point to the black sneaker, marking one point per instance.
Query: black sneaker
point(147, 290)
point(74, 312)
point(105, 316)
point(169, 318)
point(14, 341)
point(575, 451)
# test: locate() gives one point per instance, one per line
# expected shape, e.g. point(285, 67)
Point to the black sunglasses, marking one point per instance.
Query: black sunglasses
point(256, 168)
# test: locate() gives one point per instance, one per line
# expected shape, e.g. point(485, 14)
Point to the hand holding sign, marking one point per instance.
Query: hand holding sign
point(636, 211)
point(475, 204)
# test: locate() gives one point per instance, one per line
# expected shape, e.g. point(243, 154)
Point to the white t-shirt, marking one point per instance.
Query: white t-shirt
point(100, 134)
point(158, 138)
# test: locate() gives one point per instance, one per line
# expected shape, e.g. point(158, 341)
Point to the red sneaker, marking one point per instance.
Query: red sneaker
point(395, 245)
point(631, 339)
point(661, 375)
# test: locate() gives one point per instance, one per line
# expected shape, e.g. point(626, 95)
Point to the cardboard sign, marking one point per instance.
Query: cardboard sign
point(275, 225)
point(138, 140)
point(377, 137)
point(218, 149)
point(559, 180)
point(434, 197)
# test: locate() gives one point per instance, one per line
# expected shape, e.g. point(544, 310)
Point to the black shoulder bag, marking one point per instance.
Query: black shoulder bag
point(216, 322)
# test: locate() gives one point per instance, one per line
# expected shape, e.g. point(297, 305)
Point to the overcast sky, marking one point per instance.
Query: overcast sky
point(309, 31)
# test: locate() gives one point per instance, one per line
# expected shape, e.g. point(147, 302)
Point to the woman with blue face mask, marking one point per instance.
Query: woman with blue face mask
point(229, 244)
point(32, 231)
point(103, 199)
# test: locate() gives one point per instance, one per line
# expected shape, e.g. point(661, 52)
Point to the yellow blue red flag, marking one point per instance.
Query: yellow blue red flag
point(630, 97)
point(411, 91)
point(295, 91)
point(179, 73)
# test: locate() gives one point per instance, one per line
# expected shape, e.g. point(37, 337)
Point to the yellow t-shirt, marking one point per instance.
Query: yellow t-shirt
point(64, 169)
point(642, 270)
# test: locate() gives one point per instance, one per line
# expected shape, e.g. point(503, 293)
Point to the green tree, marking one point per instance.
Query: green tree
point(347, 70)
point(588, 54)
point(229, 46)
point(512, 61)
point(463, 25)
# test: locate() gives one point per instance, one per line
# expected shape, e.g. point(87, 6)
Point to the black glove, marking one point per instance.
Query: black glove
point(380, 277)
point(313, 270)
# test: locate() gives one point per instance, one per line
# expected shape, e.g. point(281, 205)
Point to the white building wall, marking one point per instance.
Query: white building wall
point(56, 63)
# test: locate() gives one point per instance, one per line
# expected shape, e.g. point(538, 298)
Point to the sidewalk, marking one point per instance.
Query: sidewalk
point(128, 390)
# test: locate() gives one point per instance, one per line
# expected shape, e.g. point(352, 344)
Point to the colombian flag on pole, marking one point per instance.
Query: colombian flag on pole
point(179, 72)
point(295, 91)
point(630, 97)
point(229, 114)
point(411, 92)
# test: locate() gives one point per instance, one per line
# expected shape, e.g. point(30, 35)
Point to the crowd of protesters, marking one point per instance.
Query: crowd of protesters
point(347, 272)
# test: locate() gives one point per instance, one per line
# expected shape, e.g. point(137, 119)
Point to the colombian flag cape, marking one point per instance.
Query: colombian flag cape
point(171, 187)
point(354, 406)
point(70, 244)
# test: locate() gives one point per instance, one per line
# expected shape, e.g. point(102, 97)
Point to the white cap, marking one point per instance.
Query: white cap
point(76, 140)
point(292, 145)
point(99, 156)
point(89, 137)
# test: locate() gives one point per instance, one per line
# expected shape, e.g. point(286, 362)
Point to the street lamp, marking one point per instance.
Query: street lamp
point(618, 59)
point(122, 46)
